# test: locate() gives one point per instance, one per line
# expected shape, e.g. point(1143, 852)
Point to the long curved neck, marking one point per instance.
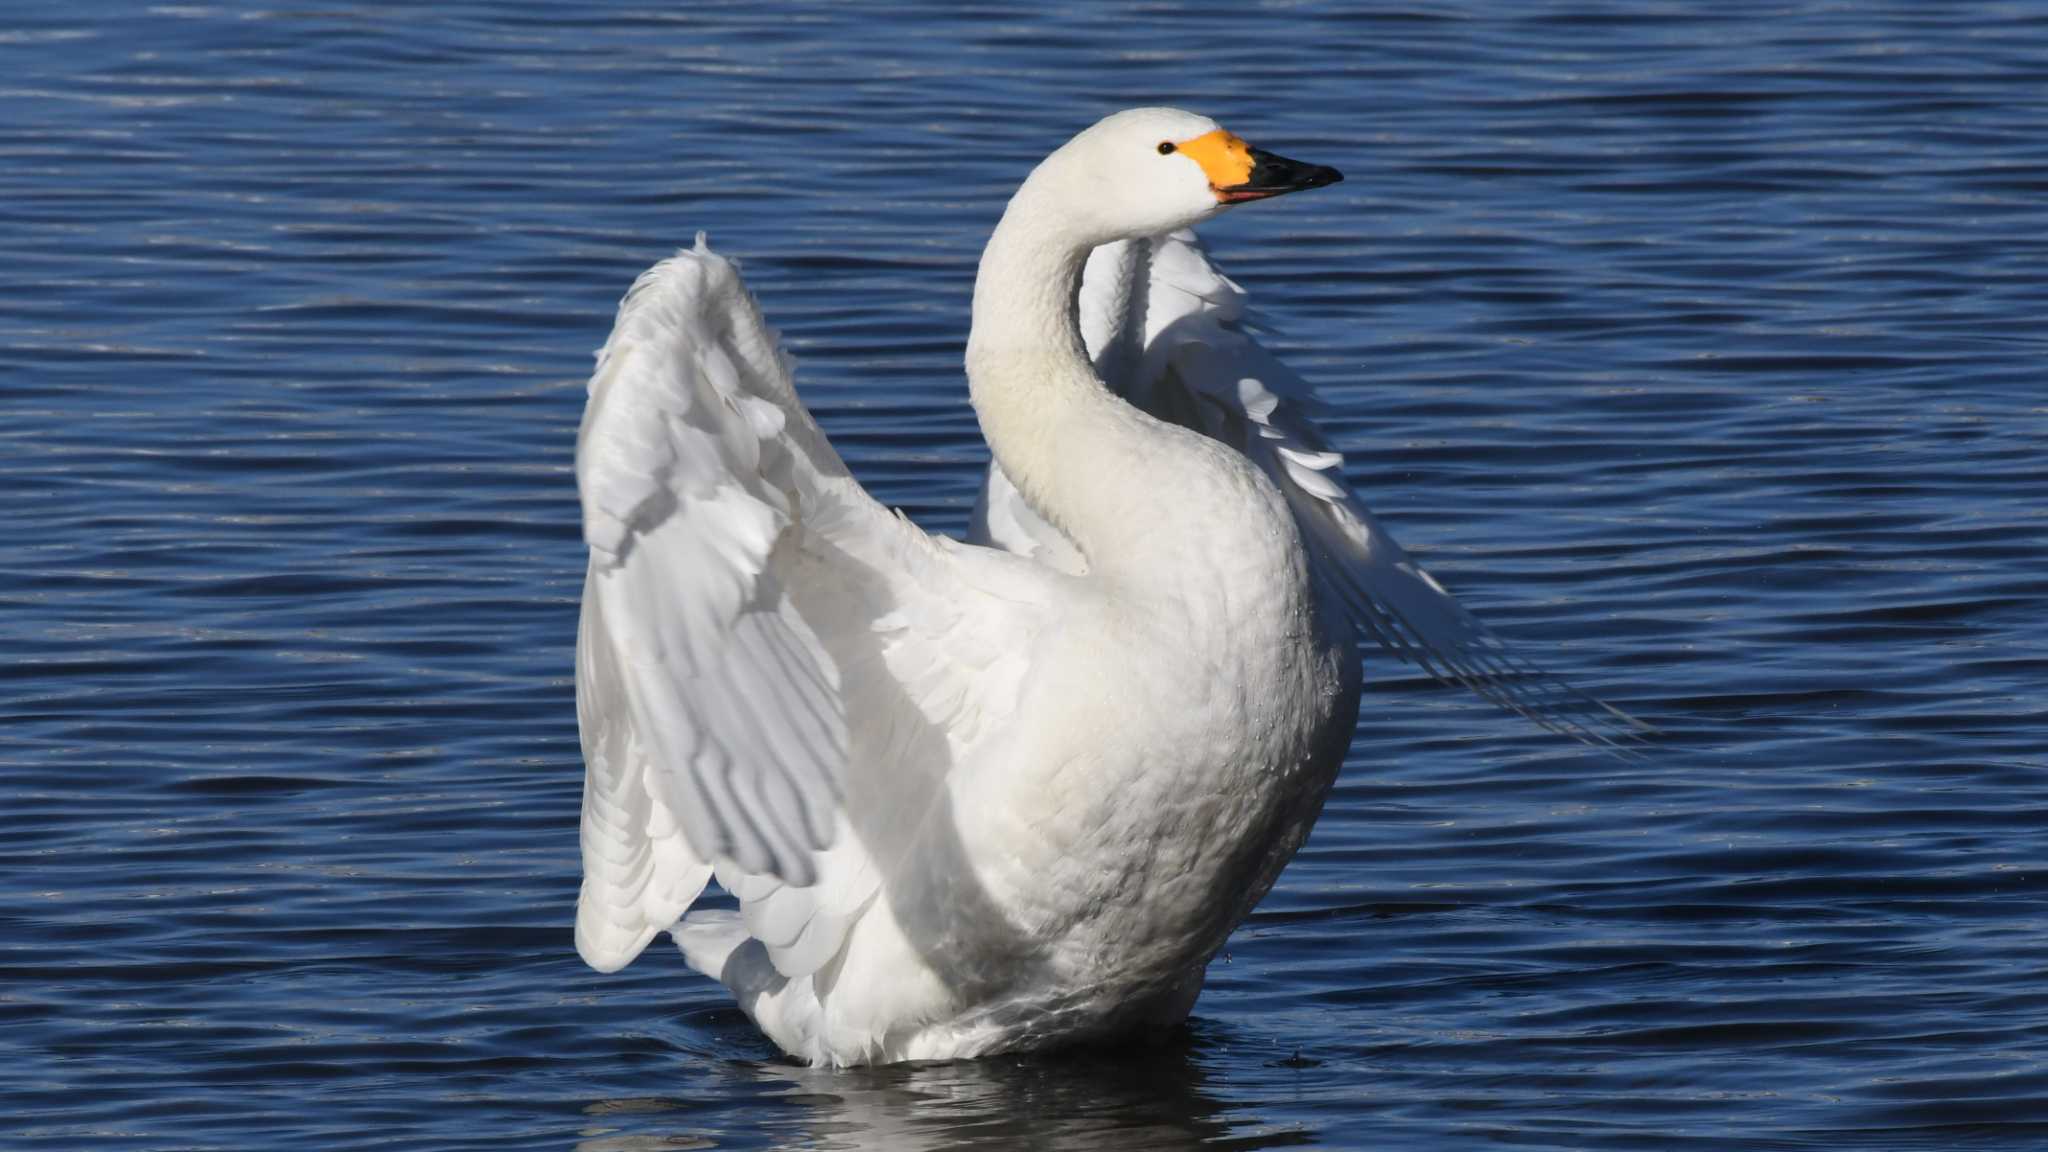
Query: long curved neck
point(1051, 423)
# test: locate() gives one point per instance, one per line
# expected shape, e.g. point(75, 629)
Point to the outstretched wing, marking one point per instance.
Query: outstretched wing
point(1166, 330)
point(739, 578)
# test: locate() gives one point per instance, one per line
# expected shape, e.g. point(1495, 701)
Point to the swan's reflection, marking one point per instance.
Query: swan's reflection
point(1144, 1098)
point(1129, 1100)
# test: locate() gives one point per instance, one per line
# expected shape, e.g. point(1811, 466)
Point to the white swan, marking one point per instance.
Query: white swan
point(975, 797)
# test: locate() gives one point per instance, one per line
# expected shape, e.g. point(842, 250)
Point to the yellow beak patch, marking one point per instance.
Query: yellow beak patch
point(1224, 158)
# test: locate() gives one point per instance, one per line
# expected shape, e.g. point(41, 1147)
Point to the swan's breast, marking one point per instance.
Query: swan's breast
point(1165, 779)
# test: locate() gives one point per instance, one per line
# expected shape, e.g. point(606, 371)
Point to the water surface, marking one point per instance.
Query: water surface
point(1699, 347)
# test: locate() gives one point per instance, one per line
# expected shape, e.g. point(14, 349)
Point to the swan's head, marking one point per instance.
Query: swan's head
point(1152, 170)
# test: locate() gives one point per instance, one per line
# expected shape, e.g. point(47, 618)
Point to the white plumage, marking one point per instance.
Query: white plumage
point(1001, 794)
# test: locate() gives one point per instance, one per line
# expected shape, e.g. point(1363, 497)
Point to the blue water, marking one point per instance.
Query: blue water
point(1700, 347)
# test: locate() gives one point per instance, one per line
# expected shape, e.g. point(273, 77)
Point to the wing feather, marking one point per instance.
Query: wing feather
point(736, 570)
point(1167, 331)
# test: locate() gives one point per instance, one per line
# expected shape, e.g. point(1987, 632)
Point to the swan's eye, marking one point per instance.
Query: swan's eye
point(1166, 147)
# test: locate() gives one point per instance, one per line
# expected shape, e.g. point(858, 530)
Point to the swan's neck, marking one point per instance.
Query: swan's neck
point(1058, 433)
point(1026, 296)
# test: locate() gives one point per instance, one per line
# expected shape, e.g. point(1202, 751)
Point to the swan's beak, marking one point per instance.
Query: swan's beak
point(1238, 172)
point(1272, 175)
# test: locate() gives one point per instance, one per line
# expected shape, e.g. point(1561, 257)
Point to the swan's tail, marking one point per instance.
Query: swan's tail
point(786, 1011)
point(708, 940)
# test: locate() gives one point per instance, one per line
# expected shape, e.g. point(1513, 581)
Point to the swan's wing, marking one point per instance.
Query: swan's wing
point(741, 586)
point(1166, 330)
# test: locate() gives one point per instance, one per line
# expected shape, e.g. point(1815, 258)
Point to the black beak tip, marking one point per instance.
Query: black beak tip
point(1272, 175)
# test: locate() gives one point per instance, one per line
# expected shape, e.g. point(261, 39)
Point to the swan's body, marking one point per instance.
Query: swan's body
point(974, 797)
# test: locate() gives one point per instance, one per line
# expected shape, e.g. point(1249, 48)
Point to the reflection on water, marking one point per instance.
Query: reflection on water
point(1135, 1100)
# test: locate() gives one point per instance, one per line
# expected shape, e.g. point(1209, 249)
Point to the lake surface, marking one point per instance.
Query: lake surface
point(1700, 347)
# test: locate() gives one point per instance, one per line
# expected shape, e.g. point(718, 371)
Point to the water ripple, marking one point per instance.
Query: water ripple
point(1697, 348)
